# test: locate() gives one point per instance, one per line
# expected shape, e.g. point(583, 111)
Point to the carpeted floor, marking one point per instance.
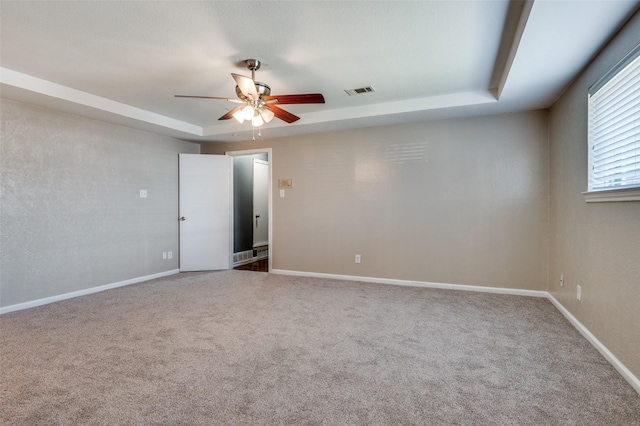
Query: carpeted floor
point(238, 347)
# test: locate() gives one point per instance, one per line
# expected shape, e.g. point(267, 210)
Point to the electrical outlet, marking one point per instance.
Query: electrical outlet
point(579, 292)
point(164, 255)
point(143, 193)
point(170, 255)
point(561, 280)
point(358, 258)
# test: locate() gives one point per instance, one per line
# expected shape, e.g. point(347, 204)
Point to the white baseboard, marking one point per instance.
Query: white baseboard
point(606, 353)
point(47, 300)
point(513, 291)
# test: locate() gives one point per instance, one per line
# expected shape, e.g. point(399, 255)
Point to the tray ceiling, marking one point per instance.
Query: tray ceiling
point(122, 62)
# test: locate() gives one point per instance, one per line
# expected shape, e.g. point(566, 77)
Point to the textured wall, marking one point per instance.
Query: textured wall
point(460, 201)
point(595, 245)
point(71, 216)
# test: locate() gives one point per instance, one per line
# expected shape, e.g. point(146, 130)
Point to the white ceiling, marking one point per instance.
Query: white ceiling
point(122, 62)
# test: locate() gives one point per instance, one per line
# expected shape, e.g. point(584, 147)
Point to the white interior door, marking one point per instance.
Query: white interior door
point(260, 203)
point(204, 212)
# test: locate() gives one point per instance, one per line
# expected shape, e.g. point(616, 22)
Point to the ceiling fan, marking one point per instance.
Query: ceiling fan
point(256, 102)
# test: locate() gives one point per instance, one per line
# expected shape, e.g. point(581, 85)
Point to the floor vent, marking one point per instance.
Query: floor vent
point(360, 91)
point(242, 256)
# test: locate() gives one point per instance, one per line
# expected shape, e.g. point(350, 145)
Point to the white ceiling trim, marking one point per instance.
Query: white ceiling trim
point(373, 110)
point(44, 87)
point(47, 88)
point(515, 43)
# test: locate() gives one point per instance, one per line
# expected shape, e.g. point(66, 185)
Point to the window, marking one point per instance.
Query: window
point(614, 131)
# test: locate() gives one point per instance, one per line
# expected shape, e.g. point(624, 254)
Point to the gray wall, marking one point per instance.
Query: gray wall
point(595, 245)
point(71, 216)
point(243, 201)
point(461, 201)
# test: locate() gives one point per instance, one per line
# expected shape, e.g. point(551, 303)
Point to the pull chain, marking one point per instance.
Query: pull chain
point(253, 129)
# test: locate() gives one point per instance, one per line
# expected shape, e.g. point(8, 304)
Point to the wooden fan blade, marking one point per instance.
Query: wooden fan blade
point(231, 112)
point(246, 85)
point(308, 98)
point(282, 114)
point(238, 101)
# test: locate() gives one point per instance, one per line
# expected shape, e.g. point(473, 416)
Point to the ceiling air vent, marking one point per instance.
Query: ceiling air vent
point(360, 91)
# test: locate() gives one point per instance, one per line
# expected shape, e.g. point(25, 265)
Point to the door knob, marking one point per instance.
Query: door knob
point(181, 219)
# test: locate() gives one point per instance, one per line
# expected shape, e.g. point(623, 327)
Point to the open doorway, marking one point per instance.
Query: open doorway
point(251, 207)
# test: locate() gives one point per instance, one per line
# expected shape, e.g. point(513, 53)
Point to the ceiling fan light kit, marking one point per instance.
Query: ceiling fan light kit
point(256, 102)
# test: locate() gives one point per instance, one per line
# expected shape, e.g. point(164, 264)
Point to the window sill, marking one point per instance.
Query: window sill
point(612, 195)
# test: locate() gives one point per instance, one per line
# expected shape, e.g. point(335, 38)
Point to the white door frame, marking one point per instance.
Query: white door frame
point(258, 200)
point(270, 159)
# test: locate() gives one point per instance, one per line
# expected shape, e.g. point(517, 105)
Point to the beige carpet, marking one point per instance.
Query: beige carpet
point(238, 347)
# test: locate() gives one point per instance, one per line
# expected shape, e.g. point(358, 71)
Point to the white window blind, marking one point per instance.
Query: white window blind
point(614, 127)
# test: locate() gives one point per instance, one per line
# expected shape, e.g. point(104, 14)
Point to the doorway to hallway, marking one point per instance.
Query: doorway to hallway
point(251, 207)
